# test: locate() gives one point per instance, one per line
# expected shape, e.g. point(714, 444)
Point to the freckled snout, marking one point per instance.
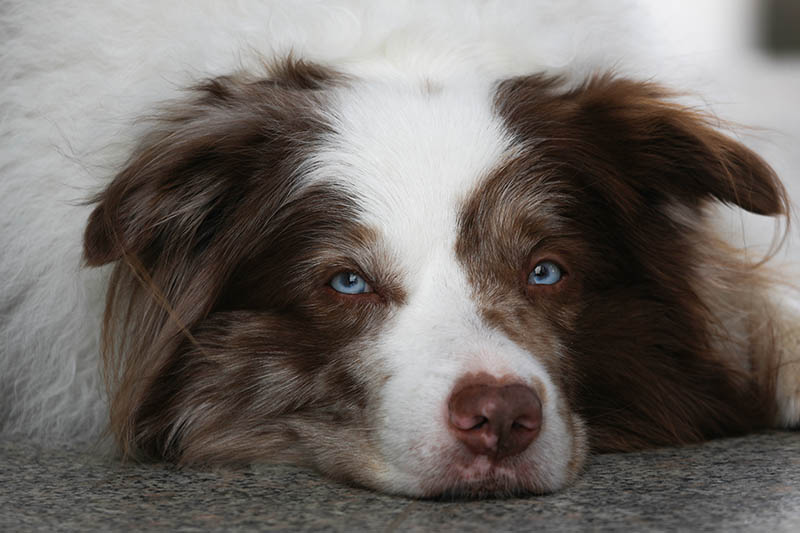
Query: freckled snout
point(495, 420)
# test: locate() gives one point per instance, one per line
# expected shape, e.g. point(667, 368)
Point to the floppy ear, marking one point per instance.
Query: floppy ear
point(199, 161)
point(197, 197)
point(632, 134)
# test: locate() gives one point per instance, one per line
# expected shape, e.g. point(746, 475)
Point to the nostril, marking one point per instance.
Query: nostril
point(528, 422)
point(467, 422)
point(482, 421)
point(495, 420)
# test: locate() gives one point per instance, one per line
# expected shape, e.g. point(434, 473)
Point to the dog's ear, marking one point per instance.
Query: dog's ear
point(198, 197)
point(633, 140)
point(201, 158)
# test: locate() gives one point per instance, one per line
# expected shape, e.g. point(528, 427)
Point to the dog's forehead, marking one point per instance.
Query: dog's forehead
point(412, 154)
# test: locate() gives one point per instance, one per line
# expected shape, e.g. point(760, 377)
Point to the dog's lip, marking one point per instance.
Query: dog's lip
point(480, 466)
point(480, 476)
point(485, 465)
point(483, 468)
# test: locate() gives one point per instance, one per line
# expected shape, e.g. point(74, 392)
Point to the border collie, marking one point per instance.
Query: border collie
point(456, 286)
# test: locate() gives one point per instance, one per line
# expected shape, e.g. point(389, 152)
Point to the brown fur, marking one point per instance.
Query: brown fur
point(606, 160)
point(201, 221)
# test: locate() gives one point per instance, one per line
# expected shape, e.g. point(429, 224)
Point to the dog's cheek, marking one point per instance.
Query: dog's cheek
point(217, 407)
point(313, 418)
point(229, 394)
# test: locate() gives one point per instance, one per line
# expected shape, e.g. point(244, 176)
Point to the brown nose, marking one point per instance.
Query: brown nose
point(495, 420)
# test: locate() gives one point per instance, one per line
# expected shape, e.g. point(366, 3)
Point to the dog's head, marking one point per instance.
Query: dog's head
point(423, 288)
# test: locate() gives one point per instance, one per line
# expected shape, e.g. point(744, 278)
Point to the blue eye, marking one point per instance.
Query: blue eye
point(545, 273)
point(349, 283)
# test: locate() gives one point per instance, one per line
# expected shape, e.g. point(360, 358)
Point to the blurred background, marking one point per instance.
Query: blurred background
point(741, 59)
point(779, 26)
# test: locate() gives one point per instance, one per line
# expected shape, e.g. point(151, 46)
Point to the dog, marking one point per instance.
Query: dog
point(428, 287)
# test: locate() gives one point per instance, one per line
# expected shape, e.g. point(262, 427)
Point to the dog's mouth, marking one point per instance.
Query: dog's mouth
point(483, 477)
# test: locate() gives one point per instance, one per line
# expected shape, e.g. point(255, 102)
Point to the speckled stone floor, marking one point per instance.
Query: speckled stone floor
point(742, 484)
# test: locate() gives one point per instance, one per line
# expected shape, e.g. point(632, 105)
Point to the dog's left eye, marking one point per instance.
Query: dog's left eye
point(545, 273)
point(349, 283)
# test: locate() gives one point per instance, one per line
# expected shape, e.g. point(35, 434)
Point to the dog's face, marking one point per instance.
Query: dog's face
point(427, 289)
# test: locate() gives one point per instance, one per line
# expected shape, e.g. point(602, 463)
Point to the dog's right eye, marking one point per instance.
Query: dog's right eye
point(349, 283)
point(545, 273)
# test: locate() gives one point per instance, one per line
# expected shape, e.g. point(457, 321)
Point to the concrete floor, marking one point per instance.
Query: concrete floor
point(740, 484)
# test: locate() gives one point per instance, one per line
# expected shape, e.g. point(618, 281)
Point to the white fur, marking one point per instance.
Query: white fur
point(786, 303)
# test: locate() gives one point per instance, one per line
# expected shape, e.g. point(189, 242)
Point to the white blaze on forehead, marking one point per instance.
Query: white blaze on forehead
point(411, 154)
